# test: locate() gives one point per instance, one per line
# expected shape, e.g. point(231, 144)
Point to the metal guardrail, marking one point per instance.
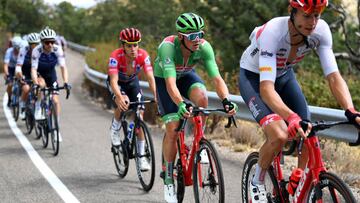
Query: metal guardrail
point(345, 133)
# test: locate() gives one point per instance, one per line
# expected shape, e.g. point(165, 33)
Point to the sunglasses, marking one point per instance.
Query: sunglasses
point(193, 36)
point(49, 42)
point(131, 45)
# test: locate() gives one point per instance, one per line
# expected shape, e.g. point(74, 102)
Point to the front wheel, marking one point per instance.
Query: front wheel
point(207, 175)
point(120, 153)
point(54, 131)
point(331, 189)
point(44, 131)
point(271, 184)
point(146, 175)
point(29, 121)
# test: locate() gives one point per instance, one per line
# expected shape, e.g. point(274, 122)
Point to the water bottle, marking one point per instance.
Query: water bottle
point(294, 180)
point(129, 130)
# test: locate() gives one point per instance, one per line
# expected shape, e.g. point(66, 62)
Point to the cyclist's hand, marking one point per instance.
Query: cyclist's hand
point(230, 107)
point(294, 126)
point(122, 102)
point(353, 116)
point(184, 109)
point(67, 86)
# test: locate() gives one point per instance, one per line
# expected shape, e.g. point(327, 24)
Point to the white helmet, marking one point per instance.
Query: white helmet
point(33, 38)
point(47, 33)
point(16, 42)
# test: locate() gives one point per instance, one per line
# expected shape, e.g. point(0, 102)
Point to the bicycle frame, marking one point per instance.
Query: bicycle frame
point(314, 167)
point(186, 157)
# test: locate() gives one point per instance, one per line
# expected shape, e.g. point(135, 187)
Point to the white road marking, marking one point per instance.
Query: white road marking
point(44, 169)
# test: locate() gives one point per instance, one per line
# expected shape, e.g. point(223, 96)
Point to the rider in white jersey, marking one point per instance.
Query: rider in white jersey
point(268, 85)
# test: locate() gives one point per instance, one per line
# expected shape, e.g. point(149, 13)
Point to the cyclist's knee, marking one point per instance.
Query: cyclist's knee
point(199, 97)
point(277, 133)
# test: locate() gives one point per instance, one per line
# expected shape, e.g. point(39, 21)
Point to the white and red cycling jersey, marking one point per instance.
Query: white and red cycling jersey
point(270, 47)
point(118, 65)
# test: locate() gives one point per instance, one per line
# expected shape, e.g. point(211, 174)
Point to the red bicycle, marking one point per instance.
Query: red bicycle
point(205, 176)
point(315, 185)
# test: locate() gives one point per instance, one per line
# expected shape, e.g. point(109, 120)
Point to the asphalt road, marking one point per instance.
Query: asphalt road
point(84, 170)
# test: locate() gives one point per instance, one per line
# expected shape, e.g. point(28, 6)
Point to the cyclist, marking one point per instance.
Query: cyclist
point(23, 68)
point(10, 58)
point(125, 64)
point(268, 85)
point(44, 58)
point(176, 78)
point(60, 40)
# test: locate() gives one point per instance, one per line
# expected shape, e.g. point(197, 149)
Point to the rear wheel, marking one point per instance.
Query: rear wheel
point(271, 184)
point(179, 176)
point(15, 107)
point(331, 189)
point(207, 175)
point(29, 121)
point(44, 133)
point(120, 153)
point(146, 177)
point(38, 130)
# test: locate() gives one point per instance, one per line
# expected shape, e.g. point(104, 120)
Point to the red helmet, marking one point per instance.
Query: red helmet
point(309, 6)
point(130, 35)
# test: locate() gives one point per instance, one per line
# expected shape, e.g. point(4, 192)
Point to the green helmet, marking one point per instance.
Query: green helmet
point(189, 22)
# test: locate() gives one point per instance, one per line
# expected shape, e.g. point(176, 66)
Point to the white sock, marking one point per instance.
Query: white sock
point(259, 178)
point(141, 146)
point(115, 124)
point(37, 104)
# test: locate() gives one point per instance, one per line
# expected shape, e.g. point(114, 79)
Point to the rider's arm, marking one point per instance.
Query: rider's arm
point(6, 61)
point(20, 62)
point(340, 90)
point(173, 90)
point(61, 61)
point(151, 80)
point(34, 65)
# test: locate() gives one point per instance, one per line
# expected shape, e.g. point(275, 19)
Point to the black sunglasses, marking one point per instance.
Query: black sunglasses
point(49, 42)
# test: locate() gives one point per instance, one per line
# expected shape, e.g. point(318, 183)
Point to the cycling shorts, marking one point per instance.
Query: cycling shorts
point(286, 86)
point(167, 108)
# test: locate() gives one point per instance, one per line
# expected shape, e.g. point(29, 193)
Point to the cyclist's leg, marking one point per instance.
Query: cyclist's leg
point(274, 127)
point(115, 122)
point(293, 97)
point(10, 82)
point(38, 114)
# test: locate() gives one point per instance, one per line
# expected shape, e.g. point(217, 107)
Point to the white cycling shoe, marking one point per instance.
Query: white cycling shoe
point(115, 137)
point(38, 114)
point(204, 158)
point(170, 194)
point(257, 193)
point(144, 164)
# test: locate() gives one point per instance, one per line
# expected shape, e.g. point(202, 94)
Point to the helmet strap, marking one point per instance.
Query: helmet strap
point(292, 19)
point(183, 43)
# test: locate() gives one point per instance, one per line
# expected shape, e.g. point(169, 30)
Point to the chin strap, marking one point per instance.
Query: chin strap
point(305, 38)
point(183, 43)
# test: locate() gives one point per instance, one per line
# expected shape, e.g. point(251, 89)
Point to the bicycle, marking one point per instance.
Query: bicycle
point(50, 123)
point(206, 177)
point(29, 111)
point(128, 148)
point(316, 183)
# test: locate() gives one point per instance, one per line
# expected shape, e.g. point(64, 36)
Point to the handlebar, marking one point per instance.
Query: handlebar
point(203, 111)
point(142, 102)
point(52, 89)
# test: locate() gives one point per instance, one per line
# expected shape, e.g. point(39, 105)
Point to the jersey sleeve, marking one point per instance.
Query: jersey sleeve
point(113, 64)
point(60, 54)
point(147, 62)
point(208, 57)
point(166, 55)
point(267, 42)
point(35, 55)
point(325, 51)
point(21, 56)
point(7, 55)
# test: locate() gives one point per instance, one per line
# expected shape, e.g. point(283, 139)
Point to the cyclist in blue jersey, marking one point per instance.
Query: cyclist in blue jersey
point(23, 68)
point(44, 59)
point(10, 63)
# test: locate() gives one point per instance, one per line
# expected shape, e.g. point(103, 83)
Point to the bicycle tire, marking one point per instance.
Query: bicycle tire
point(15, 109)
point(120, 154)
point(180, 179)
point(332, 182)
point(146, 182)
point(247, 174)
point(212, 184)
point(54, 130)
point(38, 130)
point(29, 121)
point(44, 133)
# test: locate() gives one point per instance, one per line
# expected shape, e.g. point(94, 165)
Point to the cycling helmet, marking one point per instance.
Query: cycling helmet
point(33, 38)
point(47, 33)
point(310, 6)
point(130, 35)
point(16, 42)
point(189, 22)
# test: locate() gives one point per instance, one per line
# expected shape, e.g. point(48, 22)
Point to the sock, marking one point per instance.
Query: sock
point(37, 104)
point(259, 177)
point(115, 124)
point(168, 179)
point(141, 146)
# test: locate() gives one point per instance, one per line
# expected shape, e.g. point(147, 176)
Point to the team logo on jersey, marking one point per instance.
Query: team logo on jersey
point(167, 60)
point(266, 53)
point(113, 62)
point(147, 60)
point(265, 69)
